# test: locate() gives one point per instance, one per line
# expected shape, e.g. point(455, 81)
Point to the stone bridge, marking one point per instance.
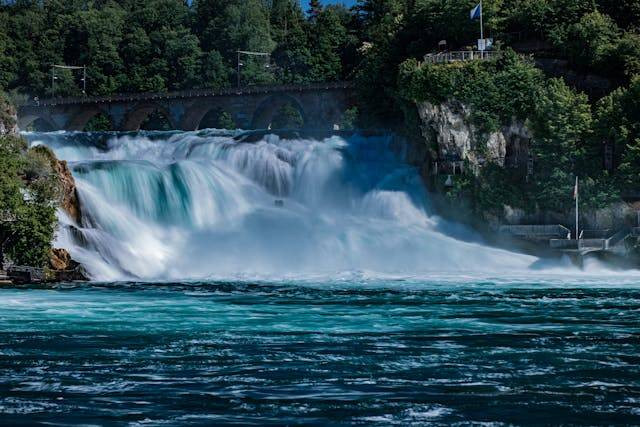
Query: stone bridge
point(320, 105)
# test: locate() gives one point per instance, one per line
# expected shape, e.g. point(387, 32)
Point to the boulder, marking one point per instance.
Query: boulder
point(63, 268)
point(60, 259)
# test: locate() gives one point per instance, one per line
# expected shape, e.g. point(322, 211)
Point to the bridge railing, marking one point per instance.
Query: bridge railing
point(194, 93)
point(462, 55)
point(535, 232)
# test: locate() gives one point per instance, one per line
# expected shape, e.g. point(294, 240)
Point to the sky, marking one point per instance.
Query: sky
point(347, 3)
point(305, 3)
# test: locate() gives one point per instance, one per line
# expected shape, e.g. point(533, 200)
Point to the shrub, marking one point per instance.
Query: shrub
point(28, 194)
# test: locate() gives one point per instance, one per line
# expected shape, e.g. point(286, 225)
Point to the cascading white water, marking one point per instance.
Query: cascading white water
point(192, 205)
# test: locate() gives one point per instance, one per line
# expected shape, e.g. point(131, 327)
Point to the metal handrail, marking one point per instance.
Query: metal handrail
point(194, 93)
point(461, 55)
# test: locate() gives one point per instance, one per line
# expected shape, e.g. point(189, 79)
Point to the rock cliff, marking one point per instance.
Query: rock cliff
point(69, 199)
point(449, 134)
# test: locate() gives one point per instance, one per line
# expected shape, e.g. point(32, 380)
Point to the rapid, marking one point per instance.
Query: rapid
point(200, 205)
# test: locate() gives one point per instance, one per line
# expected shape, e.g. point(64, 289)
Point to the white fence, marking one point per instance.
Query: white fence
point(463, 55)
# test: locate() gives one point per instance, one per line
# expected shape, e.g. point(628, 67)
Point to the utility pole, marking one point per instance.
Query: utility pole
point(84, 79)
point(68, 67)
point(266, 55)
point(53, 80)
point(238, 72)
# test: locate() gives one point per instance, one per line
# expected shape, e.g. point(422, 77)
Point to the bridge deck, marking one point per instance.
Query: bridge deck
point(245, 90)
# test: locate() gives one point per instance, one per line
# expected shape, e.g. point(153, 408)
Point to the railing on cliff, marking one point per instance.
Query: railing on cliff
point(195, 93)
point(460, 56)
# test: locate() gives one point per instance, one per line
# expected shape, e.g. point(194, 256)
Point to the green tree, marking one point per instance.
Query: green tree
point(292, 54)
point(229, 26)
point(28, 191)
point(618, 123)
point(225, 121)
point(562, 127)
point(287, 117)
point(591, 39)
point(328, 38)
point(7, 59)
point(626, 13)
point(93, 39)
point(215, 74)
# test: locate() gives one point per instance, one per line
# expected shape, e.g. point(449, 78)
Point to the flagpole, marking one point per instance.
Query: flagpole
point(577, 196)
point(481, 22)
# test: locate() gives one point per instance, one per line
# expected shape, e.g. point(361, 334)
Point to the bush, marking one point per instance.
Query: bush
point(349, 119)
point(497, 91)
point(591, 40)
point(225, 121)
point(28, 195)
point(618, 123)
point(564, 143)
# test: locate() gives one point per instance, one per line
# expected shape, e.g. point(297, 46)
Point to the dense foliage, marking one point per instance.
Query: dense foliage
point(594, 36)
point(160, 45)
point(29, 192)
point(565, 140)
point(157, 45)
point(569, 130)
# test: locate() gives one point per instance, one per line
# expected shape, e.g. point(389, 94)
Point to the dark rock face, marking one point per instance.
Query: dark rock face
point(447, 131)
point(69, 201)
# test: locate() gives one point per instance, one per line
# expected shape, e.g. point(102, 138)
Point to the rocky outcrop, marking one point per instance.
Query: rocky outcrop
point(60, 259)
point(63, 268)
point(449, 134)
point(8, 118)
point(69, 198)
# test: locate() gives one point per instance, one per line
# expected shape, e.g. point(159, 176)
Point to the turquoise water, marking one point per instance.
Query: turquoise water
point(301, 282)
point(401, 352)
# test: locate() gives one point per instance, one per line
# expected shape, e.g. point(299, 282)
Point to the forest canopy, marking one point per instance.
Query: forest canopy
point(163, 45)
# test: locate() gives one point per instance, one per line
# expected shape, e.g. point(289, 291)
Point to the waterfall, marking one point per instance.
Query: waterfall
point(198, 205)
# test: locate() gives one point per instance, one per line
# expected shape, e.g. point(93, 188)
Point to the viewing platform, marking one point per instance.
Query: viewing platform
point(460, 56)
point(558, 239)
point(591, 241)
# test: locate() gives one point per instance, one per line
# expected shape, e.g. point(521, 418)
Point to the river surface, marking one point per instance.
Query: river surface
point(351, 351)
point(304, 282)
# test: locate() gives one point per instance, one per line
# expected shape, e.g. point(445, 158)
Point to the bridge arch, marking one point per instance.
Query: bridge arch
point(141, 112)
point(205, 114)
point(79, 121)
point(39, 123)
point(268, 108)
